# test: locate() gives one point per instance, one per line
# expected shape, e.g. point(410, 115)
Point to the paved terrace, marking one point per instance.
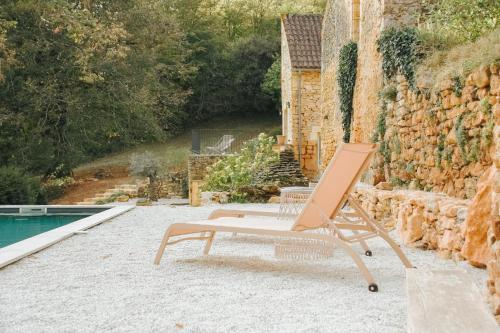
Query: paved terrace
point(105, 281)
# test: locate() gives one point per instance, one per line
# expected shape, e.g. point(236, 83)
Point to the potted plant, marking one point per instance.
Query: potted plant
point(281, 139)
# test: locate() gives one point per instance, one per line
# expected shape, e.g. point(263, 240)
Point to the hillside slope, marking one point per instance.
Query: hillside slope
point(104, 173)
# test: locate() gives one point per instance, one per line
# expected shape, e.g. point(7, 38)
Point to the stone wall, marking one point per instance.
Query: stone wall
point(458, 229)
point(336, 33)
point(197, 166)
point(173, 185)
point(431, 221)
point(197, 171)
point(338, 30)
point(440, 139)
point(369, 77)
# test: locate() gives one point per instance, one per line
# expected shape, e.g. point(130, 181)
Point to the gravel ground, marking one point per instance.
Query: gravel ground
point(106, 281)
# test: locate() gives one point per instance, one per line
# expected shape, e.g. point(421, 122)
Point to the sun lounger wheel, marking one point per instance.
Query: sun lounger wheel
point(373, 287)
point(368, 253)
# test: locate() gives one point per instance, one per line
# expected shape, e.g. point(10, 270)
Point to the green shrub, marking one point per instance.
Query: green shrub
point(271, 85)
point(398, 182)
point(346, 79)
point(55, 187)
point(148, 165)
point(17, 188)
point(440, 149)
point(474, 153)
point(460, 21)
point(461, 136)
point(381, 126)
point(234, 172)
point(486, 107)
point(458, 85)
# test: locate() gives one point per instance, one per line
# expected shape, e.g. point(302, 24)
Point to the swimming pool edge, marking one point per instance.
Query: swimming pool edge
point(24, 248)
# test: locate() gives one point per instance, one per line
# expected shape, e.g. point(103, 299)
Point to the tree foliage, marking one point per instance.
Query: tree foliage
point(18, 188)
point(459, 21)
point(272, 81)
point(84, 78)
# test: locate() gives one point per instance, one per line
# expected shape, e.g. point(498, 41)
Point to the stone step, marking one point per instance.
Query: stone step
point(127, 187)
point(86, 202)
point(445, 301)
point(109, 193)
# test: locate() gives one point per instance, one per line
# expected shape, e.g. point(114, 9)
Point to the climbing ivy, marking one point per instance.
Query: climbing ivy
point(346, 80)
point(399, 49)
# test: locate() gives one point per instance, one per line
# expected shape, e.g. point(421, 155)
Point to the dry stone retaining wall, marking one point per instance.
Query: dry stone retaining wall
point(432, 221)
point(440, 139)
point(197, 166)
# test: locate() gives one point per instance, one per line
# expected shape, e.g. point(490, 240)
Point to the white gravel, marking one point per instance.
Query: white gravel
point(106, 281)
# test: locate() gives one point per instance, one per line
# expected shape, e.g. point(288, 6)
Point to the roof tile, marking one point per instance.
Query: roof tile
point(303, 33)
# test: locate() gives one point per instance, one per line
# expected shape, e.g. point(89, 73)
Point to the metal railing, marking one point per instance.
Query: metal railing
point(219, 141)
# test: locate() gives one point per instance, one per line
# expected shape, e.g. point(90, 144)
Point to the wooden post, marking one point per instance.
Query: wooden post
point(195, 193)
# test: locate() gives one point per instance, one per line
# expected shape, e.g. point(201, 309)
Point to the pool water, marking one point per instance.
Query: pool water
point(15, 228)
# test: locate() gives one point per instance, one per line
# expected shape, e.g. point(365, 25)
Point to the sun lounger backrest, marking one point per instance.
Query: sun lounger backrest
point(226, 141)
point(340, 176)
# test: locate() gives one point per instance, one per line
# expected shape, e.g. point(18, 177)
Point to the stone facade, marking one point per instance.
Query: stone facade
point(305, 120)
point(301, 119)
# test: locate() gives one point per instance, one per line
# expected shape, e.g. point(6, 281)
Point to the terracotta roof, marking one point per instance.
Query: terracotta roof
point(303, 33)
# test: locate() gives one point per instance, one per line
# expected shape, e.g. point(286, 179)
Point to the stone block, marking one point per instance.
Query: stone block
point(481, 77)
point(495, 85)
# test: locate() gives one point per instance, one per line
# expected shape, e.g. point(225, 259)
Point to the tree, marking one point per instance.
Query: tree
point(272, 82)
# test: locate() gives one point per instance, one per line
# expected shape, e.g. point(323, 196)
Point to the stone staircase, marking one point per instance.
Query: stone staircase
point(110, 195)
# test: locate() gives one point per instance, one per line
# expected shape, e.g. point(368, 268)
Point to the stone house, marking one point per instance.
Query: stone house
point(300, 87)
point(451, 201)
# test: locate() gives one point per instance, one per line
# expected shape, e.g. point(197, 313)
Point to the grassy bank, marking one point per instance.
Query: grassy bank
point(174, 151)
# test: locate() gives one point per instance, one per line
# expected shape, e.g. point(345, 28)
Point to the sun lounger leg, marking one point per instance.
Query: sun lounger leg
point(372, 286)
point(382, 233)
point(162, 247)
point(208, 245)
point(363, 244)
point(396, 249)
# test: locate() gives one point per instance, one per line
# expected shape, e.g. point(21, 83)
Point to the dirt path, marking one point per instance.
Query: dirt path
point(89, 188)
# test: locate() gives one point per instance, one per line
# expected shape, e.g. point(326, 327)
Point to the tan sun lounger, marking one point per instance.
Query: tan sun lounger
point(322, 210)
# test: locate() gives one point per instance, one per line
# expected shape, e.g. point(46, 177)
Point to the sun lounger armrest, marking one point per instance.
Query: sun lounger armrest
point(240, 213)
